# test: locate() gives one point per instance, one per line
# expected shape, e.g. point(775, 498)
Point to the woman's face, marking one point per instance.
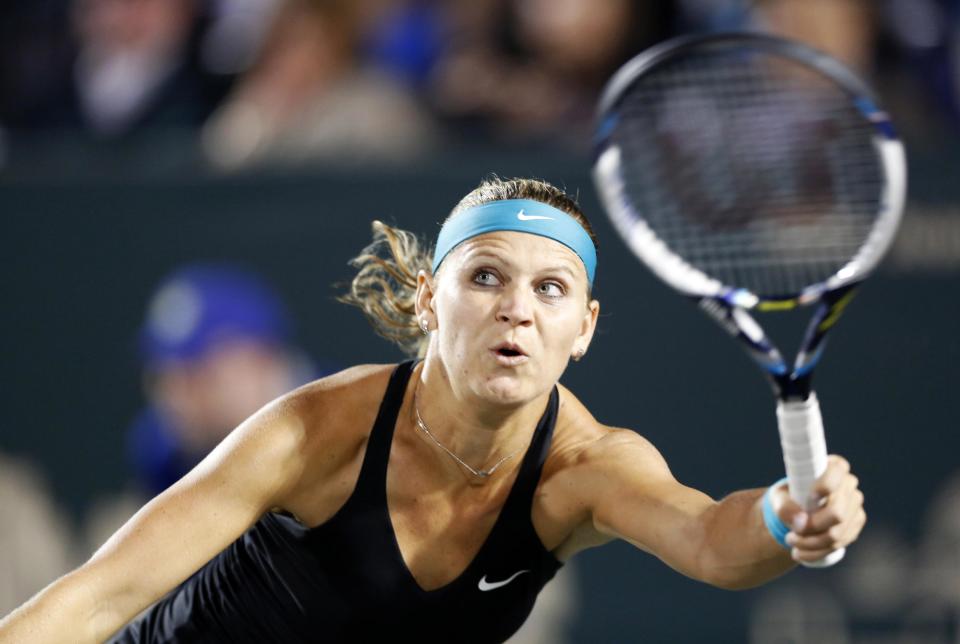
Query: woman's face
point(507, 310)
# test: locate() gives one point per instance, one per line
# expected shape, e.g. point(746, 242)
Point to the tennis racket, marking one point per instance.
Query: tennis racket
point(752, 173)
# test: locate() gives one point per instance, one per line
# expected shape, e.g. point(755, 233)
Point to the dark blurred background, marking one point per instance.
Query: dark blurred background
point(143, 138)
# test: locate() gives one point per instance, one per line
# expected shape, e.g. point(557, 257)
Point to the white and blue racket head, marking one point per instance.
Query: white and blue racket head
point(754, 173)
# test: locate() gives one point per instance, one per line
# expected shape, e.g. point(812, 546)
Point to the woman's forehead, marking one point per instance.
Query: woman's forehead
point(521, 249)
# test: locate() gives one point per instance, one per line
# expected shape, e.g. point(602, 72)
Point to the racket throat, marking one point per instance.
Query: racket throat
point(793, 388)
point(788, 384)
point(832, 305)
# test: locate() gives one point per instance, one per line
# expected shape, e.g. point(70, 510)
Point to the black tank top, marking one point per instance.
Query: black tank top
point(346, 581)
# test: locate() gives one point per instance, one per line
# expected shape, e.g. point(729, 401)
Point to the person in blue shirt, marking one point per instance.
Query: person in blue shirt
point(216, 345)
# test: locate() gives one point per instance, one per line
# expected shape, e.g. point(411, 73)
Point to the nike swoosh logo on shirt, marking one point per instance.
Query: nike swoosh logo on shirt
point(485, 585)
point(523, 217)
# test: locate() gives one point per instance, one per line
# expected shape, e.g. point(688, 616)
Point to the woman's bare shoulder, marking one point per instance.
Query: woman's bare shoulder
point(349, 379)
point(286, 432)
point(338, 388)
point(338, 403)
point(588, 460)
point(322, 429)
point(579, 438)
point(583, 454)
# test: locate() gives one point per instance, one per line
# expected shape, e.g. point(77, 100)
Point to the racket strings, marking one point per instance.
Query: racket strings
point(751, 168)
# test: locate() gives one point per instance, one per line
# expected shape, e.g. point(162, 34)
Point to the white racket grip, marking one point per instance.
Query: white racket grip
point(805, 457)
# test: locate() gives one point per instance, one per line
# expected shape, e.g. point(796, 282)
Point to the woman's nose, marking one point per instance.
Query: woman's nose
point(516, 307)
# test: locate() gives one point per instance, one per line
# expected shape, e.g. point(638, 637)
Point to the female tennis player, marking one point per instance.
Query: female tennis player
point(431, 499)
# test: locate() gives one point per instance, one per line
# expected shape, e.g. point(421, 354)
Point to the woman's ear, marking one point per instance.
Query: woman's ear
point(426, 319)
point(587, 328)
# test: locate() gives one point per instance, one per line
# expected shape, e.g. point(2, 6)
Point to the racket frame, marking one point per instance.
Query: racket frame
point(726, 304)
point(798, 411)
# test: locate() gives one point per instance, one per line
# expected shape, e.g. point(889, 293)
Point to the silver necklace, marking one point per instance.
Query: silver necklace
point(480, 473)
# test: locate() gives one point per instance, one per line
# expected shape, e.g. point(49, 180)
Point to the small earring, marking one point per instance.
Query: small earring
point(423, 325)
point(578, 355)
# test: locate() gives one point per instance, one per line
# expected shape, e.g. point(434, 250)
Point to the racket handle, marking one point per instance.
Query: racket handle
point(805, 457)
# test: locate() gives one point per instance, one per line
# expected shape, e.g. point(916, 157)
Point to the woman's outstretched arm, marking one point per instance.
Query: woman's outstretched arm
point(171, 536)
point(630, 494)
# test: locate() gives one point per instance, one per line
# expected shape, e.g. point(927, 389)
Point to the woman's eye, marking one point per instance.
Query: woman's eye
point(486, 278)
point(550, 289)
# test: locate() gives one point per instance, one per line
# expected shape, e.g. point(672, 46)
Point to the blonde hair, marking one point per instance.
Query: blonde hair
point(385, 286)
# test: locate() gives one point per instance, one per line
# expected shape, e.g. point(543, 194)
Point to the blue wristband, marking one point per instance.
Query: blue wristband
point(778, 529)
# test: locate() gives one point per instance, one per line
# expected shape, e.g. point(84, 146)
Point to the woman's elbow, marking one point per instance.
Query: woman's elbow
point(720, 572)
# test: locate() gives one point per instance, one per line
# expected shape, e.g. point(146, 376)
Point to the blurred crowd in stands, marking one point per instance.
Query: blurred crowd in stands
point(291, 81)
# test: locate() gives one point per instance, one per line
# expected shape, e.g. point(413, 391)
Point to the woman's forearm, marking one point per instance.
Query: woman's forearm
point(738, 550)
point(64, 611)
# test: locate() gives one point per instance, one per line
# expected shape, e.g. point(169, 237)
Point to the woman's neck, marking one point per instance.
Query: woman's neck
point(477, 432)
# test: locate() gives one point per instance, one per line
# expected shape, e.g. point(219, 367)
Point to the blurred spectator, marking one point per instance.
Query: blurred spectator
point(922, 61)
point(707, 16)
point(34, 537)
point(308, 97)
point(134, 68)
point(405, 38)
point(537, 70)
point(131, 66)
point(216, 347)
point(909, 50)
point(234, 34)
point(845, 29)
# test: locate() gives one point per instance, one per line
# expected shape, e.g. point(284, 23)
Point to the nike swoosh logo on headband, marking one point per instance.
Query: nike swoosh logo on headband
point(485, 585)
point(523, 217)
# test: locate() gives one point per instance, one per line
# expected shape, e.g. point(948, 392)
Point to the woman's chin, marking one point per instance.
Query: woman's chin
point(509, 390)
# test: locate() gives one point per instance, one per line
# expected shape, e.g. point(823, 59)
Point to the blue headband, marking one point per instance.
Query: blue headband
point(518, 215)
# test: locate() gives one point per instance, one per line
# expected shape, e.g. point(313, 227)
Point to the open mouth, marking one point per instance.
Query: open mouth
point(509, 354)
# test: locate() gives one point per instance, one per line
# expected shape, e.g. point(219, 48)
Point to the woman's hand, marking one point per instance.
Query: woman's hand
point(835, 524)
